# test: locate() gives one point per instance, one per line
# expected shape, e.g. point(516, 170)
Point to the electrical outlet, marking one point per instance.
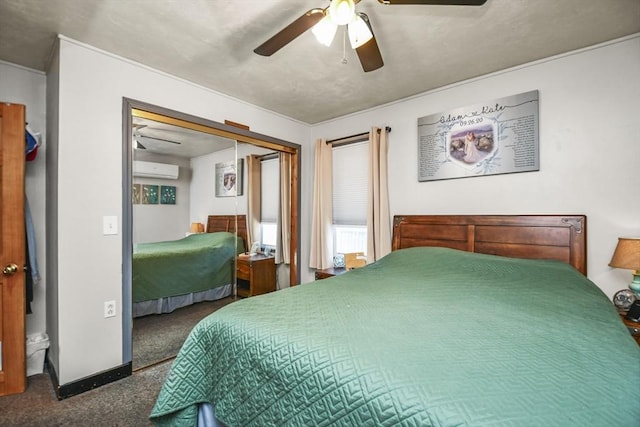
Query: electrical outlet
point(109, 309)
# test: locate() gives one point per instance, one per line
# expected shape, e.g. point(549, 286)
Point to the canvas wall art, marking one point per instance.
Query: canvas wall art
point(149, 194)
point(497, 137)
point(229, 178)
point(137, 194)
point(167, 195)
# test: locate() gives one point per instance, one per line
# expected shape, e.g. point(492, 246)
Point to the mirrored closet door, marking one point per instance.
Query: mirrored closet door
point(186, 192)
point(183, 257)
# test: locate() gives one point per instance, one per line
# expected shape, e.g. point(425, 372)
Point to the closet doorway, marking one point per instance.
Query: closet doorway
point(172, 179)
point(136, 116)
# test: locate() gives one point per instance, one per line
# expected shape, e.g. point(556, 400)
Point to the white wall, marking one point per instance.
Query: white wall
point(203, 188)
point(589, 151)
point(21, 85)
point(92, 85)
point(203, 199)
point(161, 222)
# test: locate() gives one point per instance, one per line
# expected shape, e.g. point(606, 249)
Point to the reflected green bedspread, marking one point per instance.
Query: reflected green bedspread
point(423, 337)
point(196, 263)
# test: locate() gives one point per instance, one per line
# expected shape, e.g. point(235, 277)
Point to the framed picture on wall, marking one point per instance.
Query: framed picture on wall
point(149, 194)
point(499, 136)
point(167, 195)
point(229, 179)
point(137, 194)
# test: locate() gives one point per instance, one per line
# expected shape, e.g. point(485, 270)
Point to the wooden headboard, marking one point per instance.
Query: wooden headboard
point(228, 223)
point(559, 237)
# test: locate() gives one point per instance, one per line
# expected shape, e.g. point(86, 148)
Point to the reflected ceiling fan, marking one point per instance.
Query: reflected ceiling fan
point(139, 137)
point(325, 22)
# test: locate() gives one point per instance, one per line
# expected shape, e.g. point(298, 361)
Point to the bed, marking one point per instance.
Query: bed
point(470, 321)
point(199, 267)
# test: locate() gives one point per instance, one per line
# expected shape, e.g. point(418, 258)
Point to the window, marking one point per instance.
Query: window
point(268, 234)
point(269, 189)
point(350, 176)
point(348, 239)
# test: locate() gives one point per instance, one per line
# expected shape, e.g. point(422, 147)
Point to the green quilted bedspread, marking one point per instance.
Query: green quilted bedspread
point(196, 263)
point(423, 337)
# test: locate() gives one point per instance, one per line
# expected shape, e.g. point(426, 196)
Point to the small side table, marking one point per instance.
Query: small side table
point(329, 272)
point(255, 274)
point(634, 327)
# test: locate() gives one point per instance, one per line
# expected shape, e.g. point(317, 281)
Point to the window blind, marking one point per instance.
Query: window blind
point(350, 177)
point(269, 189)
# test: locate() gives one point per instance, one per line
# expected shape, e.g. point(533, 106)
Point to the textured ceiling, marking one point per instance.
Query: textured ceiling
point(150, 136)
point(211, 42)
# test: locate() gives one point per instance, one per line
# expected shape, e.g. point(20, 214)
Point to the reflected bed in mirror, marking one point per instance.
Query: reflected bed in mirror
point(174, 274)
point(172, 267)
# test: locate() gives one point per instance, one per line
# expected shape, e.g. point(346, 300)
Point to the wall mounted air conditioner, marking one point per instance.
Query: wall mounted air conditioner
point(155, 170)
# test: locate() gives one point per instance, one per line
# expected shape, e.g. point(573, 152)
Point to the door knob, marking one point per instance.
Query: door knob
point(9, 269)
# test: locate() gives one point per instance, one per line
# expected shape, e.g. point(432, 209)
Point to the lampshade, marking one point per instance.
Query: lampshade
point(342, 11)
point(627, 254)
point(197, 227)
point(325, 30)
point(359, 30)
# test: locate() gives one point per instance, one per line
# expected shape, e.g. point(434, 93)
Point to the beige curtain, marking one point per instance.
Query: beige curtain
point(253, 200)
point(284, 211)
point(378, 218)
point(321, 243)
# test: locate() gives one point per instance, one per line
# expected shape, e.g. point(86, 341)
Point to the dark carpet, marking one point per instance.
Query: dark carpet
point(127, 402)
point(158, 337)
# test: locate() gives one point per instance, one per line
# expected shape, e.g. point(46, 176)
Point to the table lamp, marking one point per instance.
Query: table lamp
point(197, 227)
point(627, 255)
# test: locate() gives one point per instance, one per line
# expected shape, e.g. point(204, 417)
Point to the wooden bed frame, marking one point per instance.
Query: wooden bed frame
point(228, 223)
point(558, 237)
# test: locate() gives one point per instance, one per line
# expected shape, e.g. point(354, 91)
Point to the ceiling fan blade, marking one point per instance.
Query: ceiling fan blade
point(158, 139)
point(290, 32)
point(437, 2)
point(369, 53)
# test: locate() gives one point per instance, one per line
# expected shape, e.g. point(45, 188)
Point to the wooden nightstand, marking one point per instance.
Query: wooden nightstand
point(329, 272)
point(634, 327)
point(255, 274)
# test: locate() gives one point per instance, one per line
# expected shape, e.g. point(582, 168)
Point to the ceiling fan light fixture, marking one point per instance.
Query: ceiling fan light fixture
point(359, 30)
point(325, 30)
point(342, 11)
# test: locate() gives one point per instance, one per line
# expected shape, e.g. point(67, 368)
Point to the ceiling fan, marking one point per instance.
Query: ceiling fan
point(324, 24)
point(141, 138)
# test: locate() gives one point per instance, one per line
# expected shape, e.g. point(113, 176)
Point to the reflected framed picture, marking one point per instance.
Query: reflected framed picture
point(167, 195)
point(149, 194)
point(137, 194)
point(229, 179)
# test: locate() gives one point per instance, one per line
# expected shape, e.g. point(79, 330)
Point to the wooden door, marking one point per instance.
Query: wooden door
point(13, 373)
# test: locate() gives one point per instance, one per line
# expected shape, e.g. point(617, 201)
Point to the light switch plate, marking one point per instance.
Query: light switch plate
point(109, 225)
